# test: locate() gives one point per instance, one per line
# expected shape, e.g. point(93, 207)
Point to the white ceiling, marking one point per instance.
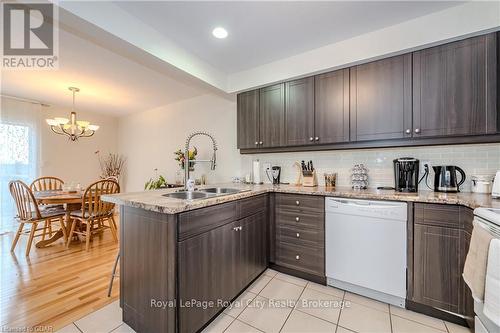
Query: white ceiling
point(114, 77)
point(262, 32)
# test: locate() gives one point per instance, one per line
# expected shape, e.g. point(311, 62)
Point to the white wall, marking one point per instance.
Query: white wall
point(76, 161)
point(148, 139)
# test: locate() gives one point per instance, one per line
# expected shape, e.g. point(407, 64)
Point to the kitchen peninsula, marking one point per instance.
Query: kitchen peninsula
point(183, 260)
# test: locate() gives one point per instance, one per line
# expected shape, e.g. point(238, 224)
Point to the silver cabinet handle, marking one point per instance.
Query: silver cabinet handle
point(241, 228)
point(311, 138)
point(417, 130)
point(235, 228)
point(298, 235)
point(297, 219)
point(408, 131)
point(297, 202)
point(297, 257)
point(256, 142)
point(316, 138)
point(260, 142)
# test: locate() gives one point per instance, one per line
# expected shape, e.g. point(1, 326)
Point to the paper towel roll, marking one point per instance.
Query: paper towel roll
point(256, 172)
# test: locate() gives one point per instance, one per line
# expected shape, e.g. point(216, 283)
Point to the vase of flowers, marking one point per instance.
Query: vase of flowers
point(179, 157)
point(111, 165)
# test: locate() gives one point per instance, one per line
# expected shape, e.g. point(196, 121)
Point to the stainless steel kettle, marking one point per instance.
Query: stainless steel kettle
point(445, 178)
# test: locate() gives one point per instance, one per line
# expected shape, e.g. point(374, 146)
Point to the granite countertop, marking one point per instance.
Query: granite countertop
point(154, 201)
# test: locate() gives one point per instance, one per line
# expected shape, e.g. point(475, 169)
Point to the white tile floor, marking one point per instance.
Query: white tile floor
point(278, 302)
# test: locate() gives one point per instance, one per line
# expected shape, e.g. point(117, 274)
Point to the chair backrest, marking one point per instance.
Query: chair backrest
point(27, 207)
point(47, 184)
point(91, 200)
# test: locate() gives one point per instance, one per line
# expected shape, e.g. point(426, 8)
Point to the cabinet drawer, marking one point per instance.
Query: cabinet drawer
point(300, 203)
point(201, 220)
point(252, 205)
point(300, 219)
point(305, 259)
point(438, 215)
point(300, 236)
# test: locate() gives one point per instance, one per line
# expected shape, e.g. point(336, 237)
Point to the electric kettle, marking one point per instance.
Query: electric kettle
point(445, 178)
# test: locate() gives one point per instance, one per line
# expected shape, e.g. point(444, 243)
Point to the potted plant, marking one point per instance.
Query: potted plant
point(155, 183)
point(179, 157)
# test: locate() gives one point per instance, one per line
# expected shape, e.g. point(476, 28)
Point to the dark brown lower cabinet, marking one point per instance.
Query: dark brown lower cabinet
point(441, 238)
point(216, 265)
point(437, 272)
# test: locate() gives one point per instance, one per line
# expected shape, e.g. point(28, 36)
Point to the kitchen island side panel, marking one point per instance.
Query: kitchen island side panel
point(148, 270)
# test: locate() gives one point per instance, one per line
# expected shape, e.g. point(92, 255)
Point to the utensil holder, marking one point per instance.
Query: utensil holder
point(309, 178)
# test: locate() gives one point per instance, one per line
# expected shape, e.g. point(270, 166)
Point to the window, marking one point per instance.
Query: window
point(19, 150)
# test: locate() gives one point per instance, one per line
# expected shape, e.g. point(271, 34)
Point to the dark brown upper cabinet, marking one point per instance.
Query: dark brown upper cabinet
point(248, 119)
point(299, 112)
point(331, 107)
point(381, 99)
point(454, 88)
point(272, 116)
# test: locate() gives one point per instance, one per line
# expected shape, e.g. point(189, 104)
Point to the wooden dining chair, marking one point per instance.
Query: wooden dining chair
point(94, 212)
point(29, 213)
point(48, 183)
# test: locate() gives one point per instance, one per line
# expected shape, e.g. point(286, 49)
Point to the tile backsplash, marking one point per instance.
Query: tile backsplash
point(474, 159)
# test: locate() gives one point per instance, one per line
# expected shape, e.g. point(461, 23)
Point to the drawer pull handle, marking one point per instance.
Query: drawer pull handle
point(297, 202)
point(298, 235)
point(297, 219)
point(297, 257)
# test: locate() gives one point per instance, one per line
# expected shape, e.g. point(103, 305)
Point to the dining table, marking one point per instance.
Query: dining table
point(71, 200)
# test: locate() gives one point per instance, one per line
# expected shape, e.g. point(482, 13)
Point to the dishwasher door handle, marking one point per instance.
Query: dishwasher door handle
point(365, 204)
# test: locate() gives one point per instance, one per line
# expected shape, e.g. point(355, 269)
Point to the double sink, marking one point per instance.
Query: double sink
point(204, 193)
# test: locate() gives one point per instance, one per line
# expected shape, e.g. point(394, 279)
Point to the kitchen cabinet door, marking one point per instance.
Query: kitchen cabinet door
point(208, 271)
point(299, 112)
point(248, 119)
point(272, 116)
point(331, 107)
point(454, 88)
point(437, 267)
point(380, 98)
point(253, 249)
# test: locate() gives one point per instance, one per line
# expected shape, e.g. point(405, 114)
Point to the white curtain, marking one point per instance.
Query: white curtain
point(19, 151)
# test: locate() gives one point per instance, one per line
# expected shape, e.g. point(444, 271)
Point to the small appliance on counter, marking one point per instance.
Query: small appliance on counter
point(275, 174)
point(445, 178)
point(406, 172)
point(481, 183)
point(495, 190)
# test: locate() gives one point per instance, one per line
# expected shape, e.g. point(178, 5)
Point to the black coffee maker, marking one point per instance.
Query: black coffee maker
point(406, 172)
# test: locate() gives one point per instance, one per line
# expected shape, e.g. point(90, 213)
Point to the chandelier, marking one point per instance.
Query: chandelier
point(72, 128)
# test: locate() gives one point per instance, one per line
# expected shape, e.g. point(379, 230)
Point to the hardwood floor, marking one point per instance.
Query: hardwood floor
point(54, 286)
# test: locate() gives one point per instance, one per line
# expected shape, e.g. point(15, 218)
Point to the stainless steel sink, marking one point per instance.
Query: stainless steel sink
point(220, 190)
point(185, 195)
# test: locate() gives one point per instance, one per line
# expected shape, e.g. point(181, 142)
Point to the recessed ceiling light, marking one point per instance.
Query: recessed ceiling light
point(219, 32)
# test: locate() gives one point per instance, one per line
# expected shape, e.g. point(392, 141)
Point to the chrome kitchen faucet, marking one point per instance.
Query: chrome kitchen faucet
point(186, 158)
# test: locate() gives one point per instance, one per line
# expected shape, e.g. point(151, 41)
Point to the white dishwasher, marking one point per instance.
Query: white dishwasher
point(366, 248)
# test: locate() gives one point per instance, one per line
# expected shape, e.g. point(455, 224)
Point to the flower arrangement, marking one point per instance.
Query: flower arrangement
point(111, 165)
point(179, 157)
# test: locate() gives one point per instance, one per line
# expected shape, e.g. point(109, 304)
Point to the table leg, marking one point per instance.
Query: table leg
point(60, 233)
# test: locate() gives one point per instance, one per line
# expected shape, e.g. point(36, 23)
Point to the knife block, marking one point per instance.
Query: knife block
point(309, 179)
